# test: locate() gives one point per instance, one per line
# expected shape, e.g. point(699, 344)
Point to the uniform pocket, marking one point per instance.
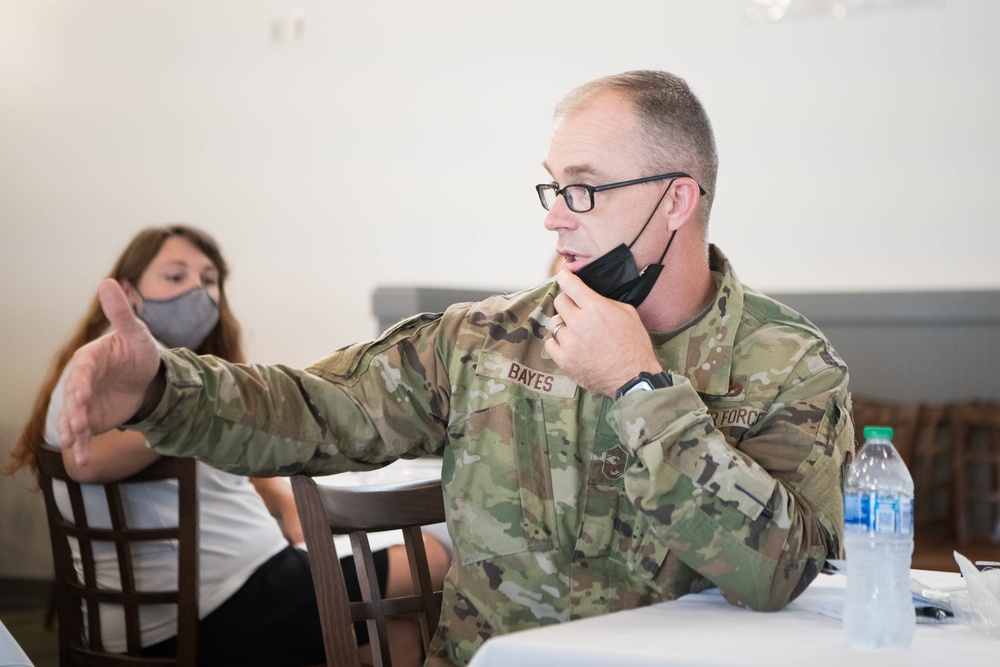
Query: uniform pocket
point(501, 485)
point(648, 549)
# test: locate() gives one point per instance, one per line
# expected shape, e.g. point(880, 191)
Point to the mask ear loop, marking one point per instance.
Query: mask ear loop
point(650, 219)
point(641, 286)
point(671, 240)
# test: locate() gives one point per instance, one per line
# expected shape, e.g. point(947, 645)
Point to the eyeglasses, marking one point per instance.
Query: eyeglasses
point(580, 198)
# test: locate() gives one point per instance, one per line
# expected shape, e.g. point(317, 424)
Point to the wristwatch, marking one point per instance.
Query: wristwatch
point(645, 382)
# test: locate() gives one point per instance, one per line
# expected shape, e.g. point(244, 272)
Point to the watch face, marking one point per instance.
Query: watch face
point(642, 385)
point(645, 382)
point(638, 384)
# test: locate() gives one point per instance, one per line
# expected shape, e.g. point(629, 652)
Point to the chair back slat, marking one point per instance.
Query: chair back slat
point(123, 550)
point(976, 449)
point(80, 636)
point(328, 577)
point(417, 555)
point(933, 477)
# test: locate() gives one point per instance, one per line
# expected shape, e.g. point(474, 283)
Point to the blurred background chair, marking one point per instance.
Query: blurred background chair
point(930, 465)
point(904, 418)
point(976, 463)
point(80, 631)
point(356, 511)
point(922, 436)
point(953, 454)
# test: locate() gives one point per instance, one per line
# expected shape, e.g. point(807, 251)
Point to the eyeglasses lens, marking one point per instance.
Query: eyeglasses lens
point(577, 197)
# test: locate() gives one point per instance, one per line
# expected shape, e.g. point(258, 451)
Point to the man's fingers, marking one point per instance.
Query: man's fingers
point(74, 426)
point(116, 307)
point(80, 439)
point(576, 289)
point(552, 348)
point(68, 406)
point(565, 305)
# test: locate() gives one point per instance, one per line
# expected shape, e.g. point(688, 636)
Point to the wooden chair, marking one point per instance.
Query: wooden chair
point(80, 640)
point(953, 454)
point(904, 418)
point(922, 436)
point(930, 466)
point(356, 511)
point(934, 484)
point(976, 462)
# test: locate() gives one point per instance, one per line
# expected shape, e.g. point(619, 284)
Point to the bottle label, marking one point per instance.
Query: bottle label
point(878, 513)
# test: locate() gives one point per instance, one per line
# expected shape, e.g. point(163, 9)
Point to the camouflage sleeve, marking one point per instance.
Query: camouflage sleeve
point(358, 409)
point(757, 521)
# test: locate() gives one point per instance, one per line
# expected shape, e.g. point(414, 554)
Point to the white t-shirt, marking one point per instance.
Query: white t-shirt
point(237, 535)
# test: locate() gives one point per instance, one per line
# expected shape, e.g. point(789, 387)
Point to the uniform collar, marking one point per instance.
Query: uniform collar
point(702, 350)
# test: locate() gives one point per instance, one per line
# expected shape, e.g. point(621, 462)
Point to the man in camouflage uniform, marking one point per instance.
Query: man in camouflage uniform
point(567, 495)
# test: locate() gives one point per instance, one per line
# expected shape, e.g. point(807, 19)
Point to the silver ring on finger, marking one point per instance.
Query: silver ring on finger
point(555, 331)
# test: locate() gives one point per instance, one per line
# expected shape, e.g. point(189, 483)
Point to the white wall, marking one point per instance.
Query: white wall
point(397, 143)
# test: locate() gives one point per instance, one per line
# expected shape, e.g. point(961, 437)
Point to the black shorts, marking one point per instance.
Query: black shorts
point(273, 618)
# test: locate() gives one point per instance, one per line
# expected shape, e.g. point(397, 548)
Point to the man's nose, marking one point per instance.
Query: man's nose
point(559, 216)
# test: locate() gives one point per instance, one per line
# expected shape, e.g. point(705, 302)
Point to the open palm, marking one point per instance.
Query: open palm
point(109, 376)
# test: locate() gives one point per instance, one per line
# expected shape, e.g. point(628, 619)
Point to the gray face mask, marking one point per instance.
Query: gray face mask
point(182, 321)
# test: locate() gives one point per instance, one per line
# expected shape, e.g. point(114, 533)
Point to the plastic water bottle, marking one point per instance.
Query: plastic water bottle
point(878, 537)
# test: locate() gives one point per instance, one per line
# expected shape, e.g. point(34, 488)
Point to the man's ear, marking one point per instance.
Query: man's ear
point(682, 203)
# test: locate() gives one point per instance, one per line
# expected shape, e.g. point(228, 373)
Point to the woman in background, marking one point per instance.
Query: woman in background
point(257, 602)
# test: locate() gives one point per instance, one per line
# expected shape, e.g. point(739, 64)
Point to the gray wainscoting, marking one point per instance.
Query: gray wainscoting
point(935, 347)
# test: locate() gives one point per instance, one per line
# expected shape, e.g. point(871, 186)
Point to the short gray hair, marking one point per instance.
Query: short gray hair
point(677, 131)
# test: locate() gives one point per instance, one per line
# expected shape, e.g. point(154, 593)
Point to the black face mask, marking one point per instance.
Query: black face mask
point(615, 275)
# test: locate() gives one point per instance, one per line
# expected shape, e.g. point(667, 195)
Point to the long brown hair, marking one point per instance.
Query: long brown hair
point(223, 341)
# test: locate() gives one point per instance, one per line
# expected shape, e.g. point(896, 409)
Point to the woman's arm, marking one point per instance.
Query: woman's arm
point(113, 456)
point(277, 495)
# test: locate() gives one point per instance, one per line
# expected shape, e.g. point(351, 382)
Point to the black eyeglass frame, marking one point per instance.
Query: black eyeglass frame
point(591, 189)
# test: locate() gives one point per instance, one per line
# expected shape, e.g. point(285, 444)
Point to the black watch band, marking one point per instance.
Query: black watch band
point(645, 382)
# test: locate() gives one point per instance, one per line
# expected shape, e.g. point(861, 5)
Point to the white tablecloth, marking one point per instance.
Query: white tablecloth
point(704, 630)
point(11, 654)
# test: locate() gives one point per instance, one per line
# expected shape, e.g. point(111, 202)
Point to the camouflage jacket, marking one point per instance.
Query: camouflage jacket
point(562, 504)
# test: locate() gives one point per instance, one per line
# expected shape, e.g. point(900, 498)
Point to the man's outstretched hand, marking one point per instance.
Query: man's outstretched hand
point(108, 377)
